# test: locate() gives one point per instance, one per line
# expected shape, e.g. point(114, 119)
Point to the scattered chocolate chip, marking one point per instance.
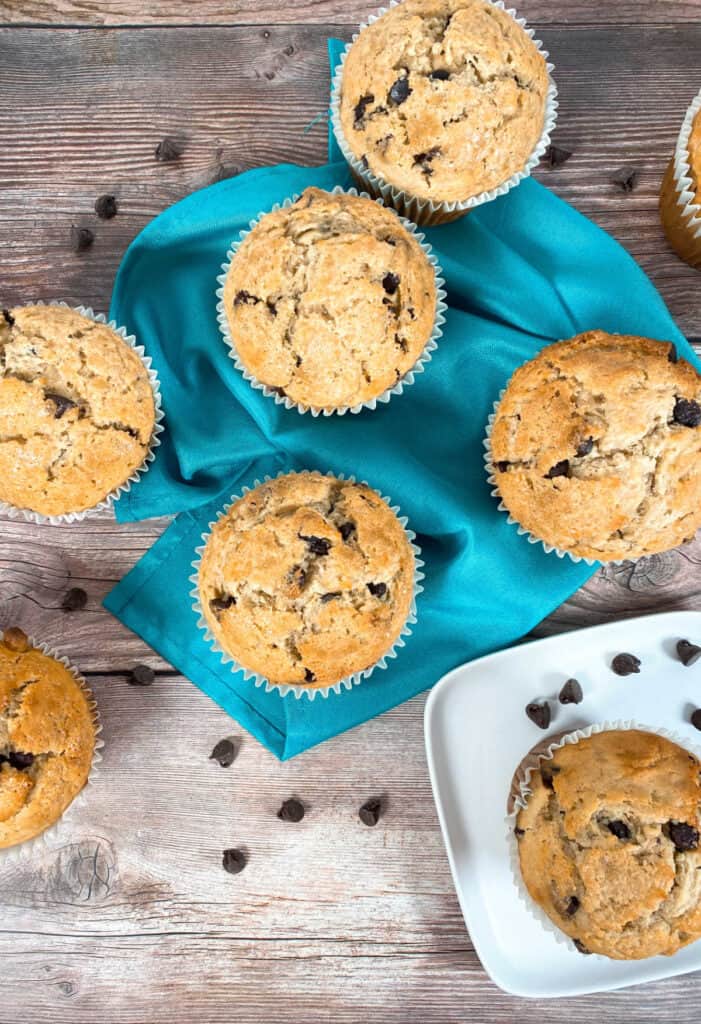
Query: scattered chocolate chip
point(503, 466)
point(687, 412)
point(619, 829)
point(539, 714)
point(309, 676)
point(688, 653)
point(291, 810)
point(61, 403)
point(9, 319)
point(556, 156)
point(584, 447)
point(221, 603)
point(572, 906)
point(685, 837)
point(440, 75)
point(547, 773)
point(625, 664)
point(359, 111)
point(331, 596)
point(317, 545)
point(19, 760)
point(370, 812)
point(346, 530)
point(559, 469)
point(245, 298)
point(233, 861)
point(696, 719)
point(224, 753)
point(571, 693)
point(581, 948)
point(390, 283)
point(626, 178)
point(106, 207)
point(81, 238)
point(399, 91)
point(141, 675)
point(377, 589)
point(74, 600)
point(672, 355)
point(169, 149)
point(16, 639)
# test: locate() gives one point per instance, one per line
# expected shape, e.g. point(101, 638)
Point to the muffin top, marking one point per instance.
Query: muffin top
point(695, 155)
point(307, 579)
point(596, 446)
point(47, 739)
point(76, 410)
point(443, 98)
point(609, 844)
point(331, 300)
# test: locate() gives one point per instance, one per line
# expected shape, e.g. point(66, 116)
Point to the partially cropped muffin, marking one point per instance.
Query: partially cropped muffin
point(608, 843)
point(596, 446)
point(47, 739)
point(680, 195)
point(330, 301)
point(307, 579)
point(443, 99)
point(76, 410)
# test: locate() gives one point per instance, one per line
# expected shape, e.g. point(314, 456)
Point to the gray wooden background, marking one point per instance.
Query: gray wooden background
point(129, 917)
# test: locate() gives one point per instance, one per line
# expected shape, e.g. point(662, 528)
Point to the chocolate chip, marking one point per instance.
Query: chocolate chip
point(619, 829)
point(696, 719)
point(423, 160)
point(503, 466)
point(559, 469)
point(74, 600)
point(626, 178)
point(572, 906)
point(539, 714)
point(359, 111)
point(377, 589)
point(309, 676)
point(581, 948)
point(169, 149)
point(399, 91)
point(440, 75)
point(687, 412)
point(245, 298)
point(221, 603)
point(411, 312)
point(370, 812)
point(688, 653)
point(141, 675)
point(272, 309)
point(584, 447)
point(9, 319)
point(571, 693)
point(556, 156)
point(298, 576)
point(390, 283)
point(672, 354)
point(106, 207)
point(346, 530)
point(685, 837)
point(81, 238)
point(61, 403)
point(233, 861)
point(317, 545)
point(19, 760)
point(547, 773)
point(364, 162)
point(331, 596)
point(224, 753)
point(625, 664)
point(291, 810)
point(402, 344)
point(519, 831)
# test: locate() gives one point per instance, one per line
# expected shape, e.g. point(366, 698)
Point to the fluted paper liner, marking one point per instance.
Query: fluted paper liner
point(71, 517)
point(426, 212)
point(309, 691)
point(687, 208)
point(406, 381)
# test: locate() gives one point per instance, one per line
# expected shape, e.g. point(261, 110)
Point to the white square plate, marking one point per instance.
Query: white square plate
point(477, 733)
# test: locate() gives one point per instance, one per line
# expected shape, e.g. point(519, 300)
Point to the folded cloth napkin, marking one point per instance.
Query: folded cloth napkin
point(520, 272)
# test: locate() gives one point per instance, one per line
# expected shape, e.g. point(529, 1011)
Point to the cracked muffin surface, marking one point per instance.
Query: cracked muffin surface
point(596, 446)
point(608, 844)
point(443, 98)
point(331, 300)
point(47, 739)
point(76, 410)
point(307, 579)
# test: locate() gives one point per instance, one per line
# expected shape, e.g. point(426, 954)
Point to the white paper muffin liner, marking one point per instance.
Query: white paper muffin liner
point(531, 763)
point(406, 381)
point(15, 512)
point(308, 691)
point(425, 211)
point(690, 210)
point(12, 854)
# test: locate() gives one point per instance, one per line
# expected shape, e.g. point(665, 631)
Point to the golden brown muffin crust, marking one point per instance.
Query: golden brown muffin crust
point(596, 446)
point(47, 739)
point(695, 156)
point(443, 98)
point(76, 410)
point(609, 844)
point(307, 579)
point(331, 300)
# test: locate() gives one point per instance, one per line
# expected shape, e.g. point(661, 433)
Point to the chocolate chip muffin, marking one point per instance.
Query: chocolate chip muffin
point(76, 410)
point(307, 579)
point(596, 446)
point(608, 844)
point(680, 195)
point(330, 301)
point(47, 739)
point(443, 99)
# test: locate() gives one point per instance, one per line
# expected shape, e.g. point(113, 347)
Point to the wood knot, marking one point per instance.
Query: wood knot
point(83, 872)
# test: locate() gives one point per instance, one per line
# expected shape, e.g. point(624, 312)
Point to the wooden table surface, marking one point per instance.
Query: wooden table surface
point(130, 917)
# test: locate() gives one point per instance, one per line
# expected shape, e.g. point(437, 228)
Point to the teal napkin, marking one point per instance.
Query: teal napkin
point(520, 272)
